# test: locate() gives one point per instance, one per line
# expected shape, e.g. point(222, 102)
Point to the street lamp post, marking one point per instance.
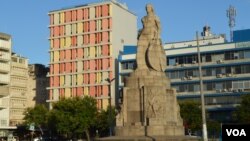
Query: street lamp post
point(110, 109)
point(204, 125)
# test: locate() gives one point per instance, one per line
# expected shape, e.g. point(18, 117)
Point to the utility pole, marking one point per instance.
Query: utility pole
point(231, 14)
point(110, 108)
point(204, 125)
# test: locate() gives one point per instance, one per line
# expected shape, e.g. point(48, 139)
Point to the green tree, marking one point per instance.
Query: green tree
point(105, 120)
point(73, 116)
point(242, 112)
point(191, 114)
point(37, 115)
point(213, 128)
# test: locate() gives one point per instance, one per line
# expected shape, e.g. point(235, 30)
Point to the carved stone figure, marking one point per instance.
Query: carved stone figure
point(150, 54)
point(149, 104)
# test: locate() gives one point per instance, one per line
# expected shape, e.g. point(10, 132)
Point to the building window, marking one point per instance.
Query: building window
point(196, 88)
point(208, 72)
point(210, 86)
point(247, 69)
point(171, 61)
point(241, 54)
point(189, 73)
point(218, 71)
point(177, 88)
point(228, 70)
point(218, 86)
point(182, 88)
point(190, 87)
point(229, 55)
point(3, 123)
point(238, 69)
point(208, 58)
point(130, 65)
point(228, 84)
point(247, 54)
point(240, 85)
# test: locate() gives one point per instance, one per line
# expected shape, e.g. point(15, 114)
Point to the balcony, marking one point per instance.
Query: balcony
point(16, 117)
point(4, 103)
point(126, 71)
point(4, 91)
point(5, 45)
point(5, 56)
point(220, 106)
point(217, 77)
point(4, 79)
point(4, 67)
point(209, 64)
point(18, 84)
point(19, 73)
point(2, 106)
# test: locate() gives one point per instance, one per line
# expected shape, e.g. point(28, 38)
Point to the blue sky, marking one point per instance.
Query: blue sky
point(27, 20)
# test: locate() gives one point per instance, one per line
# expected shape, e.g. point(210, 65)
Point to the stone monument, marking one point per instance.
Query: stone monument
point(149, 111)
point(149, 106)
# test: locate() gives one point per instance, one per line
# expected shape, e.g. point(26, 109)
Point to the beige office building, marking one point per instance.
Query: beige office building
point(20, 86)
point(18, 89)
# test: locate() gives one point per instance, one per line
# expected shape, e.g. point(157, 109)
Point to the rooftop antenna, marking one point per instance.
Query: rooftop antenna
point(231, 14)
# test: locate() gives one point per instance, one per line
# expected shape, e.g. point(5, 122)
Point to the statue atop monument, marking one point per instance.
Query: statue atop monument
point(149, 104)
point(150, 54)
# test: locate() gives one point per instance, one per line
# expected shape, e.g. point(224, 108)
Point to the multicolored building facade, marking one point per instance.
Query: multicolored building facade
point(85, 42)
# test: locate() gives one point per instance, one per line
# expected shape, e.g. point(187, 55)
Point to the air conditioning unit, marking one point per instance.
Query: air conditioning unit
point(235, 90)
point(219, 61)
point(183, 65)
point(224, 90)
point(194, 62)
point(230, 89)
point(229, 75)
point(184, 78)
point(241, 90)
point(219, 91)
point(219, 75)
point(189, 77)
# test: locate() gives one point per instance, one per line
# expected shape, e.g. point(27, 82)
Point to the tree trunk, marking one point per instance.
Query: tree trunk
point(87, 134)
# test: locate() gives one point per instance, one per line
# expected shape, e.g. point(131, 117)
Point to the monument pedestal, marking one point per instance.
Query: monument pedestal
point(149, 107)
point(149, 138)
point(148, 130)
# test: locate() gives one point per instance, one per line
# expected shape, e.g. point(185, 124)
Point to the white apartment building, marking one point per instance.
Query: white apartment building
point(5, 59)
